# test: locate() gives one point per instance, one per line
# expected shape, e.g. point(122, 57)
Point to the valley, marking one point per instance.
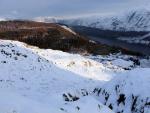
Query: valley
point(76, 65)
point(53, 36)
point(111, 38)
point(128, 30)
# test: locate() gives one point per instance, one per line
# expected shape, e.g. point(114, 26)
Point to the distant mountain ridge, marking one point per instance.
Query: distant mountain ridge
point(136, 20)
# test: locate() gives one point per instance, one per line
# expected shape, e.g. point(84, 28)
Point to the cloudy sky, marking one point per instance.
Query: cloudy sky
point(36, 8)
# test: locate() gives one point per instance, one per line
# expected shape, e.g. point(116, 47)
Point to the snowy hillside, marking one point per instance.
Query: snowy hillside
point(136, 20)
point(34, 80)
point(127, 93)
point(32, 83)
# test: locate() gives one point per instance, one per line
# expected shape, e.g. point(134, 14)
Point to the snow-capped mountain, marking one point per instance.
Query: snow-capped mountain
point(132, 21)
point(47, 19)
point(136, 20)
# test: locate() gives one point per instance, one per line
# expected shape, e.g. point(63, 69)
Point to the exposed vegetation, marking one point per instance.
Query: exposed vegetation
point(53, 36)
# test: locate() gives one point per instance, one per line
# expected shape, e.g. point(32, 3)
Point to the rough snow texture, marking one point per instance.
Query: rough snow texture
point(128, 93)
point(34, 80)
point(32, 83)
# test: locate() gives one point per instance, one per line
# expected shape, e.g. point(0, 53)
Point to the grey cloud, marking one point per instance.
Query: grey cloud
point(34, 8)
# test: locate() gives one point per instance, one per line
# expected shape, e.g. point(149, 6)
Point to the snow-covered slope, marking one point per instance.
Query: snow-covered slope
point(127, 93)
point(35, 81)
point(68, 29)
point(136, 20)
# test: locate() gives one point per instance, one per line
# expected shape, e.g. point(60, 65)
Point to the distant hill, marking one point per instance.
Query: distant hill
point(53, 36)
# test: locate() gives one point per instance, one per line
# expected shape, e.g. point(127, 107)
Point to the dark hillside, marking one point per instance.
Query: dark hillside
point(53, 36)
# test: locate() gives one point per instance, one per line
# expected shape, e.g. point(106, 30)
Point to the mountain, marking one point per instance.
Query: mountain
point(52, 36)
point(136, 20)
point(129, 30)
point(44, 35)
point(132, 21)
